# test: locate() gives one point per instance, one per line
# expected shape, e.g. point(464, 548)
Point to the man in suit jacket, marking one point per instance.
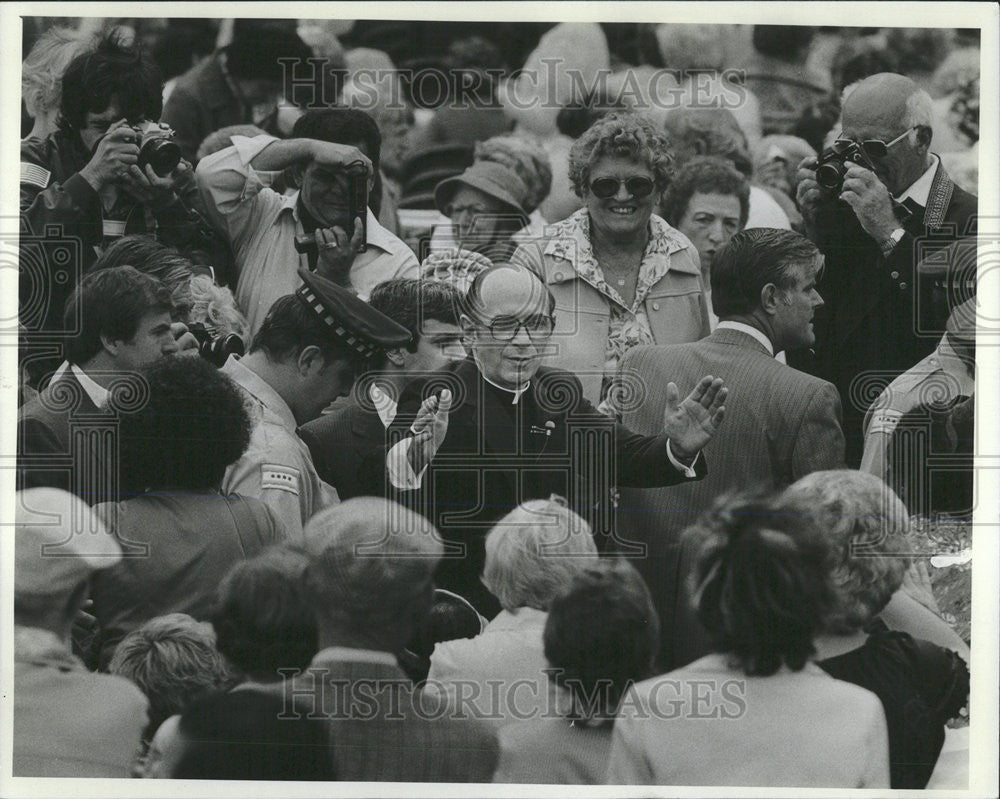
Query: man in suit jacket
point(885, 313)
point(505, 430)
point(781, 423)
point(66, 433)
point(370, 576)
point(355, 425)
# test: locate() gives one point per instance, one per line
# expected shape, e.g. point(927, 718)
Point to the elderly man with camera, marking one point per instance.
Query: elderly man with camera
point(109, 170)
point(876, 204)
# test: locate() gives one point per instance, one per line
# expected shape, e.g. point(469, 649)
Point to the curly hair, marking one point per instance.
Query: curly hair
point(708, 175)
point(193, 425)
point(262, 618)
point(761, 583)
point(866, 524)
point(627, 135)
point(173, 659)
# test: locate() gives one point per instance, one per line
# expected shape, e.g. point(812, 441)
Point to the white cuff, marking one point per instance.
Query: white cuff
point(687, 471)
point(400, 472)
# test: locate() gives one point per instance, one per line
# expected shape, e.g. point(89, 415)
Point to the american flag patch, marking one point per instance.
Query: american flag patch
point(34, 175)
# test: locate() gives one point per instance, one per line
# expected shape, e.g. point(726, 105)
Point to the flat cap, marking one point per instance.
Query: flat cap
point(351, 320)
point(59, 542)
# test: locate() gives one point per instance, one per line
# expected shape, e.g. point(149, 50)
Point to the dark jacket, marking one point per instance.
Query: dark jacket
point(883, 315)
point(62, 225)
point(497, 454)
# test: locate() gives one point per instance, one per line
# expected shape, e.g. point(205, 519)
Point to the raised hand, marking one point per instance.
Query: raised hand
point(114, 155)
point(429, 430)
point(337, 252)
point(691, 423)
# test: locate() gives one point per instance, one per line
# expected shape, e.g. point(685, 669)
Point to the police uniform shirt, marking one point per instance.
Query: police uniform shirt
point(277, 467)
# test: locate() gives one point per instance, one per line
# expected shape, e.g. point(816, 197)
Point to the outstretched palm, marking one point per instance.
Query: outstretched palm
point(691, 423)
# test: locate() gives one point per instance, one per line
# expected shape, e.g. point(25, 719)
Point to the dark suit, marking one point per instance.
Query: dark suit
point(780, 424)
point(339, 440)
point(65, 441)
point(355, 694)
point(497, 455)
point(882, 315)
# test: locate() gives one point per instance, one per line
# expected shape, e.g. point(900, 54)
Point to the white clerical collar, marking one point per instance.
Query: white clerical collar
point(920, 190)
point(98, 394)
point(517, 392)
point(750, 331)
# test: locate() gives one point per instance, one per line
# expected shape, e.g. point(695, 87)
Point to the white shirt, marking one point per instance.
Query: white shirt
point(920, 190)
point(98, 394)
point(755, 333)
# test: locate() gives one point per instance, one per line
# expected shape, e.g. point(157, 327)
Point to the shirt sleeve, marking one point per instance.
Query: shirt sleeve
point(687, 471)
point(875, 750)
point(401, 474)
point(233, 191)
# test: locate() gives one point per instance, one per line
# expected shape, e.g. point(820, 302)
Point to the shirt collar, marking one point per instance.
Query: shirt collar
point(343, 654)
point(919, 191)
point(97, 393)
point(260, 390)
point(750, 331)
point(384, 404)
point(517, 392)
point(375, 234)
point(517, 619)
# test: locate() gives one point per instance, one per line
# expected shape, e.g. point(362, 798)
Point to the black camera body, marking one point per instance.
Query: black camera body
point(214, 348)
point(357, 205)
point(157, 147)
point(831, 168)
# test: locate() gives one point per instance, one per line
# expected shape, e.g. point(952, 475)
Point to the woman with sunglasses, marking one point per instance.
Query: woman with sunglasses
point(621, 276)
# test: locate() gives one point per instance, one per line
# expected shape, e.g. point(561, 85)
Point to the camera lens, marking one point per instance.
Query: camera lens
point(160, 153)
point(831, 175)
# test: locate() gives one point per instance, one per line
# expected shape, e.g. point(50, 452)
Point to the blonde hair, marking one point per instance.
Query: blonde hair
point(42, 71)
point(215, 307)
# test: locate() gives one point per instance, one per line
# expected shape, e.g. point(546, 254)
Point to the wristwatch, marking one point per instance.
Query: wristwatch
point(889, 244)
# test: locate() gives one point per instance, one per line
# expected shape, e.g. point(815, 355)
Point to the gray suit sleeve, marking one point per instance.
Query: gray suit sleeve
point(819, 441)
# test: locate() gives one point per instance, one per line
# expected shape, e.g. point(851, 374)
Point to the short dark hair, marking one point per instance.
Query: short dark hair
point(192, 426)
point(709, 175)
point(113, 70)
point(762, 581)
point(248, 735)
point(256, 47)
point(290, 326)
point(752, 259)
point(151, 256)
point(341, 126)
point(410, 301)
point(472, 304)
point(602, 634)
point(110, 302)
point(262, 618)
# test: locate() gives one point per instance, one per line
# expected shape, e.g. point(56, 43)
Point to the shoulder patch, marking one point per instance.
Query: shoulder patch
point(884, 421)
point(282, 478)
point(34, 175)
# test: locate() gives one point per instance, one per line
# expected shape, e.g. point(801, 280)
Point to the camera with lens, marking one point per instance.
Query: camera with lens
point(831, 167)
point(216, 348)
point(357, 204)
point(157, 147)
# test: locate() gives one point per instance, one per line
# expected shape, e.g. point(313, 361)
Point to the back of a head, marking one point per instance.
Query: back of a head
point(708, 131)
point(42, 71)
point(257, 46)
point(784, 42)
point(110, 302)
point(263, 619)
point(601, 635)
point(761, 583)
point(173, 659)
point(113, 70)
point(685, 47)
point(248, 735)
point(866, 525)
point(191, 427)
point(148, 255)
point(535, 551)
point(751, 260)
point(371, 566)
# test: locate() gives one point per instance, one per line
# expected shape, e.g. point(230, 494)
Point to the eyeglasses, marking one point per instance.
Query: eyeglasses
point(506, 328)
point(876, 148)
point(605, 188)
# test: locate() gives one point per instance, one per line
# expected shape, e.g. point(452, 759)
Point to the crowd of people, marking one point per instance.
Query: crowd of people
point(569, 426)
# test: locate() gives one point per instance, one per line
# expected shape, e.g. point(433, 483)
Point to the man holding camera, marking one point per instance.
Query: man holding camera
point(108, 171)
point(323, 226)
point(876, 205)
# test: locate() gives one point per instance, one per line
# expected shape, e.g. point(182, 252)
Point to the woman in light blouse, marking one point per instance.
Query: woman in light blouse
point(621, 276)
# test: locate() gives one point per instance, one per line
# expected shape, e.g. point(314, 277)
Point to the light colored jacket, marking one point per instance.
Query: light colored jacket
point(675, 304)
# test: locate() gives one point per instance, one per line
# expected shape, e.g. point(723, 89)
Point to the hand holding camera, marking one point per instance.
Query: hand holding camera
point(870, 200)
point(337, 252)
point(116, 152)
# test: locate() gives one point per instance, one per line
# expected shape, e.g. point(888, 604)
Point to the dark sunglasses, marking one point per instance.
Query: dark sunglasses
point(505, 328)
point(875, 148)
point(605, 188)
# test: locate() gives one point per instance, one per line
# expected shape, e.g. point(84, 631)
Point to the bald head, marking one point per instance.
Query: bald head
point(880, 100)
point(508, 290)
